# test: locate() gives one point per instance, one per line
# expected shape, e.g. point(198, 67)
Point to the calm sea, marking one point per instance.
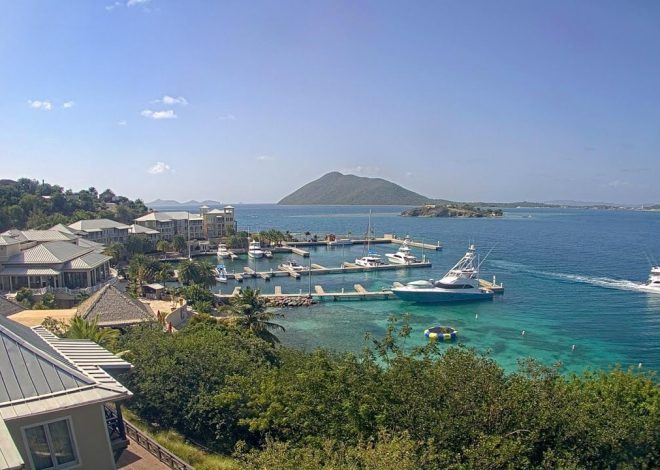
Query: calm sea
point(570, 277)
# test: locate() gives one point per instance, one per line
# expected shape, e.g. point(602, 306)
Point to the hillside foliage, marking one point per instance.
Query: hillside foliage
point(281, 408)
point(30, 204)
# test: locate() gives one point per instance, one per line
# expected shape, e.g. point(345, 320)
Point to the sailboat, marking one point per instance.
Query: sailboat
point(369, 259)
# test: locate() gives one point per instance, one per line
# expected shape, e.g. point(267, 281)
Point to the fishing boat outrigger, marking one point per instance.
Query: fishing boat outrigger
point(460, 284)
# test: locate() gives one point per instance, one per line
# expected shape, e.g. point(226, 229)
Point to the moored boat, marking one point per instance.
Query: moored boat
point(402, 256)
point(254, 250)
point(221, 273)
point(223, 252)
point(460, 284)
point(292, 264)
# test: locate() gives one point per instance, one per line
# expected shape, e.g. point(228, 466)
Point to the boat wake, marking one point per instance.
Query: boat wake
point(605, 282)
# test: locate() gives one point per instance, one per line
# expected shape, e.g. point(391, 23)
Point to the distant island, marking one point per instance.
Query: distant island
point(338, 189)
point(451, 210)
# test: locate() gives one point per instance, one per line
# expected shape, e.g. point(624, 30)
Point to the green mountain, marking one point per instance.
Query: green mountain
point(338, 189)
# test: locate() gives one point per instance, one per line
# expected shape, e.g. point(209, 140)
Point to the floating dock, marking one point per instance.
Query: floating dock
point(496, 288)
point(317, 269)
point(425, 246)
point(360, 293)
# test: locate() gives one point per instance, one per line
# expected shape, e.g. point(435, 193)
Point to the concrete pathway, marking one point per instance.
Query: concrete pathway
point(137, 457)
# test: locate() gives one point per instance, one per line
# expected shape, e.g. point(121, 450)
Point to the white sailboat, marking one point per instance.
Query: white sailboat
point(369, 259)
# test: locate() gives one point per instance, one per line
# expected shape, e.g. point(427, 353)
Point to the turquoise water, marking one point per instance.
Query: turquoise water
point(570, 277)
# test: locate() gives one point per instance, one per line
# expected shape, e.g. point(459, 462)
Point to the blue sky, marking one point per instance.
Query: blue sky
point(247, 100)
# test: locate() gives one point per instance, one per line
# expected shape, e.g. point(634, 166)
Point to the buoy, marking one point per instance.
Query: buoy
point(573, 348)
point(476, 316)
point(639, 366)
point(523, 332)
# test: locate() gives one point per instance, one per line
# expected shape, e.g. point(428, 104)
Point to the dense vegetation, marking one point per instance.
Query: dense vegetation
point(29, 204)
point(336, 188)
point(278, 408)
point(451, 210)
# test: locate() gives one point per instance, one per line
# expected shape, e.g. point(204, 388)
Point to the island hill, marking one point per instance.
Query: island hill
point(338, 189)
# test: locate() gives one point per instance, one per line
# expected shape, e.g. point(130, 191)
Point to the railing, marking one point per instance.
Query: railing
point(115, 424)
point(75, 291)
point(154, 448)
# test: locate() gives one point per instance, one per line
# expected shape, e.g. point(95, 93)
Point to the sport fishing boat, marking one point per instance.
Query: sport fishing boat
point(292, 264)
point(221, 273)
point(403, 256)
point(254, 250)
point(653, 284)
point(223, 252)
point(460, 284)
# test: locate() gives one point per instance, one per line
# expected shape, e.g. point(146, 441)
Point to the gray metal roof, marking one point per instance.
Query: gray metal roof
point(27, 271)
point(88, 261)
point(91, 225)
point(138, 229)
point(7, 307)
point(28, 372)
point(111, 307)
point(7, 240)
point(84, 243)
point(10, 458)
point(49, 253)
point(36, 378)
point(165, 216)
point(46, 235)
point(64, 229)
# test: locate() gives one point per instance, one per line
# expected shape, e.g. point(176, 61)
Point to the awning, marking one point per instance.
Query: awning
point(155, 286)
point(25, 271)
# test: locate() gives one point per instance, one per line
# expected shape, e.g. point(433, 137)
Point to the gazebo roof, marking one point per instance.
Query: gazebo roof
point(111, 307)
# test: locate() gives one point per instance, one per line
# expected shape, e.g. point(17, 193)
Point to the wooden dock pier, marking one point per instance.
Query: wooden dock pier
point(496, 288)
point(426, 246)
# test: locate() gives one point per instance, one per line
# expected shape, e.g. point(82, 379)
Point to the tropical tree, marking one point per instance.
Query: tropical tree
point(80, 328)
point(141, 270)
point(254, 315)
point(162, 245)
point(196, 272)
point(179, 243)
point(164, 273)
point(115, 251)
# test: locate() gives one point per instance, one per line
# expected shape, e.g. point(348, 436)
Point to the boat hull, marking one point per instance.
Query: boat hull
point(396, 260)
point(253, 254)
point(432, 296)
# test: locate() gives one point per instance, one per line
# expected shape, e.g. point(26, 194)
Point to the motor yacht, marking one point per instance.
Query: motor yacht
point(460, 284)
point(221, 273)
point(292, 264)
point(402, 256)
point(653, 284)
point(223, 252)
point(254, 250)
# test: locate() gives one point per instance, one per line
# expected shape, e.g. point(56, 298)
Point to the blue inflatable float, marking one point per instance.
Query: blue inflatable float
point(442, 333)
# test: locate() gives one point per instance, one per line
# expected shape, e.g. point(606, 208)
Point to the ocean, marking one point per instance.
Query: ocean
point(570, 275)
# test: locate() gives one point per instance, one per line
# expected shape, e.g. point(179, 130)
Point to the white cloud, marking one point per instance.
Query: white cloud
point(227, 117)
point(264, 158)
point(133, 3)
point(409, 174)
point(113, 6)
point(39, 104)
point(167, 114)
point(68, 104)
point(122, 123)
point(159, 168)
point(172, 100)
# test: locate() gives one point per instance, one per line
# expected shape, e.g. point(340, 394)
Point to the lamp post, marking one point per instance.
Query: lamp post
point(309, 275)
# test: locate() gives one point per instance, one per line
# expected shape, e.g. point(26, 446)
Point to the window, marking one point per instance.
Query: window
point(51, 445)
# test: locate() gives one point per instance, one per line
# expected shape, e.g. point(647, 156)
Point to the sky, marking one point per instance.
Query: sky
point(245, 101)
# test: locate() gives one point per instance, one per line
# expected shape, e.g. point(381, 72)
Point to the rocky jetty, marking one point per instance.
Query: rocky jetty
point(290, 301)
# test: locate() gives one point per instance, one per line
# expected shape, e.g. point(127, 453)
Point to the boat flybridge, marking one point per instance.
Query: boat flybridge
point(254, 250)
point(653, 284)
point(403, 255)
point(460, 284)
point(223, 252)
point(221, 273)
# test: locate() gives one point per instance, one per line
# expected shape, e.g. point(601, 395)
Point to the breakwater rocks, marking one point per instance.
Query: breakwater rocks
point(290, 301)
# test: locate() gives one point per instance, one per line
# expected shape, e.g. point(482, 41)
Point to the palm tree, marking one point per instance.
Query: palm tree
point(253, 315)
point(140, 270)
point(162, 245)
point(188, 271)
point(179, 243)
point(164, 273)
point(83, 329)
point(115, 251)
point(206, 273)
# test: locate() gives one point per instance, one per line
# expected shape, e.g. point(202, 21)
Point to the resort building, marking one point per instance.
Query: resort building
point(104, 231)
point(171, 224)
point(143, 231)
point(59, 407)
point(217, 221)
point(56, 265)
point(30, 238)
